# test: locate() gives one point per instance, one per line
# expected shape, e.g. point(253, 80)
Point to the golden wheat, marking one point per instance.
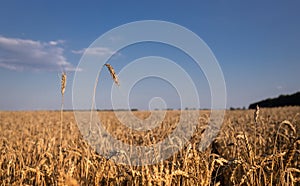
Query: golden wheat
point(30, 147)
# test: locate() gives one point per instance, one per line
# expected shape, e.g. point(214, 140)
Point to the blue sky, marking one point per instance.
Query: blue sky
point(256, 43)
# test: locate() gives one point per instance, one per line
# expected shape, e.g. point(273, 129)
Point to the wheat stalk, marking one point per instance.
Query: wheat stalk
point(256, 115)
point(115, 78)
point(62, 89)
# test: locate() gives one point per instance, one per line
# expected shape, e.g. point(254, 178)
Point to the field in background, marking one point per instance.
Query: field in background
point(266, 152)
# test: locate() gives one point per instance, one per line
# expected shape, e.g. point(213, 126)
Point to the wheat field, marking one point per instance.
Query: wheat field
point(250, 149)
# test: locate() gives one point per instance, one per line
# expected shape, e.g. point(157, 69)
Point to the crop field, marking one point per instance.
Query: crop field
point(251, 148)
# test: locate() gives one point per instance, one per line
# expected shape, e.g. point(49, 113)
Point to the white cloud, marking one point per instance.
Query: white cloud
point(99, 51)
point(57, 42)
point(24, 54)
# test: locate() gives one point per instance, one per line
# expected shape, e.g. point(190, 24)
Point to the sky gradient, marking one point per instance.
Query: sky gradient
point(256, 43)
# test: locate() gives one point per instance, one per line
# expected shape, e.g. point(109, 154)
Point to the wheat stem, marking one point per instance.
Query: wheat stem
point(63, 88)
point(256, 115)
point(114, 77)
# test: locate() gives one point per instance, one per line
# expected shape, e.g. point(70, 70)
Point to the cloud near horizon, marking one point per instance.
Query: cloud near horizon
point(25, 54)
point(99, 51)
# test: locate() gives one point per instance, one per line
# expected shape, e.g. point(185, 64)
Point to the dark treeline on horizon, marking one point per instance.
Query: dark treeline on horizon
point(281, 101)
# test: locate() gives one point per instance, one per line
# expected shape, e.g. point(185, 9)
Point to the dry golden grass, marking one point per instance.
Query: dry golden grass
point(30, 148)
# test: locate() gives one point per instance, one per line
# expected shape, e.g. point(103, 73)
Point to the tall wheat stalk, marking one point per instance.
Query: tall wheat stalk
point(256, 116)
point(63, 88)
point(116, 80)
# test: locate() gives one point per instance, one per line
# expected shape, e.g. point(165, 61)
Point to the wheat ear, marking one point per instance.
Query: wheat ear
point(63, 83)
point(112, 73)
